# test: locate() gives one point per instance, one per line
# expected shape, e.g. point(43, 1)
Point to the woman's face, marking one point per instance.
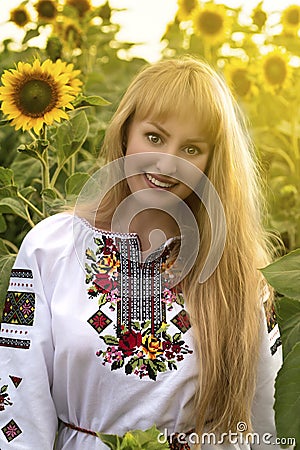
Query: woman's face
point(172, 149)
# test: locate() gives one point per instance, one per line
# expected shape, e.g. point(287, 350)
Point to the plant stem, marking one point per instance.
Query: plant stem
point(72, 164)
point(31, 205)
point(45, 168)
point(29, 220)
point(11, 245)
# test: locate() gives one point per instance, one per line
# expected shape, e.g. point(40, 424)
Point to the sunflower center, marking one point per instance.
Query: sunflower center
point(20, 17)
point(275, 70)
point(293, 16)
point(210, 22)
point(36, 97)
point(46, 9)
point(240, 82)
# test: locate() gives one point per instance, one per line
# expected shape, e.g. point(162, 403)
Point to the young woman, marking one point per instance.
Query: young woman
point(119, 315)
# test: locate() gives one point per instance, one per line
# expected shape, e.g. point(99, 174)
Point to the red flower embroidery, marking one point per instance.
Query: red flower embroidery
point(103, 281)
point(4, 398)
point(129, 341)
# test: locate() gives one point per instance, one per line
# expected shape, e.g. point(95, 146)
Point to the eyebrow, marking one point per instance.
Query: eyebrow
point(163, 130)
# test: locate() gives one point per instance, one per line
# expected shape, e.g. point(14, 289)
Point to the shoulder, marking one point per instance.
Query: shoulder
point(51, 233)
point(51, 225)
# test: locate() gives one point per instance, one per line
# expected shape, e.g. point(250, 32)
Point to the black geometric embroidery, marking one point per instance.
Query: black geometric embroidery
point(99, 321)
point(275, 346)
point(270, 317)
point(21, 273)
point(16, 380)
point(182, 321)
point(15, 343)
point(19, 308)
point(11, 430)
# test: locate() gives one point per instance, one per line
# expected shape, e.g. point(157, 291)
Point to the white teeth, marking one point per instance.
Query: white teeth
point(157, 182)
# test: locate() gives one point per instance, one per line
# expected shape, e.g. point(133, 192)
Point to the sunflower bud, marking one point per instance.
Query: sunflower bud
point(259, 18)
point(54, 48)
point(105, 12)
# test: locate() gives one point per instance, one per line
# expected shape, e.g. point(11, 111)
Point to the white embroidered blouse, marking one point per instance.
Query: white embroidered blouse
point(92, 337)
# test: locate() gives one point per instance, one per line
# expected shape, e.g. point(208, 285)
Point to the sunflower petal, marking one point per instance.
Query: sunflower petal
point(56, 85)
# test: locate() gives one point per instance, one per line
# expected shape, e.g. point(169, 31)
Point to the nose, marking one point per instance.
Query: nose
point(166, 164)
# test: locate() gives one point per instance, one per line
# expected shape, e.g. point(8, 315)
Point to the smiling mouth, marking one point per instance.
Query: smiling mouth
point(158, 183)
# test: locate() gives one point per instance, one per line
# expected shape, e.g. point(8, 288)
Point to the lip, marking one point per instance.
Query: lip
point(159, 179)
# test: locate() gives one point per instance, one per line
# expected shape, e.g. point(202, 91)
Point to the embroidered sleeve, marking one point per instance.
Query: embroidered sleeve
point(271, 324)
point(27, 414)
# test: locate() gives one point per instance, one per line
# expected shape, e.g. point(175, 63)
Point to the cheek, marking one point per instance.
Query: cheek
point(135, 182)
point(135, 144)
point(191, 174)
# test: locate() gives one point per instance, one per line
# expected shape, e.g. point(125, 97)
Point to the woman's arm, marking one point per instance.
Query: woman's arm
point(27, 414)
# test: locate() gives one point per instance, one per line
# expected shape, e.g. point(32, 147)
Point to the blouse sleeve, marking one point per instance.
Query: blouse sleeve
point(28, 418)
point(270, 361)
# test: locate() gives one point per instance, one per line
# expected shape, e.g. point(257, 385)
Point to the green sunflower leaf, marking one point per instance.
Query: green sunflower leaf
point(6, 262)
point(75, 183)
point(14, 206)
point(287, 397)
point(70, 136)
point(6, 176)
point(284, 274)
point(91, 100)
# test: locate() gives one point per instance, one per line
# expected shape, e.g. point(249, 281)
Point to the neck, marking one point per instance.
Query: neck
point(153, 227)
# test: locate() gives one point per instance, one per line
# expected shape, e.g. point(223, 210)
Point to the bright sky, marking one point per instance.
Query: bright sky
point(143, 21)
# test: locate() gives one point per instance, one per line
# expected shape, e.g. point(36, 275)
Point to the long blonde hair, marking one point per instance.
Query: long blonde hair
point(225, 310)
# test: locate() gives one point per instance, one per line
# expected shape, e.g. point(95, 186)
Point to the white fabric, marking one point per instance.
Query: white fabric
point(61, 376)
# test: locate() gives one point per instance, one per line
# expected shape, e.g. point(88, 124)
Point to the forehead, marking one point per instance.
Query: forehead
point(185, 106)
point(184, 127)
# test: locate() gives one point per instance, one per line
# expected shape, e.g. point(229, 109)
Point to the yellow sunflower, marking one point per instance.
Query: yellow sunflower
point(275, 70)
point(290, 19)
point(69, 31)
point(238, 76)
point(37, 94)
point(74, 83)
point(211, 22)
point(46, 9)
point(19, 16)
point(82, 6)
point(185, 8)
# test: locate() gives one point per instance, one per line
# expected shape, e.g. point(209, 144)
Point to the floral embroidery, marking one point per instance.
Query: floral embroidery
point(141, 343)
point(4, 398)
point(104, 271)
point(142, 353)
point(273, 330)
point(11, 430)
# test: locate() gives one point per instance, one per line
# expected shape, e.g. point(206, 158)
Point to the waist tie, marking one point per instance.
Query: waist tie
point(174, 445)
point(82, 430)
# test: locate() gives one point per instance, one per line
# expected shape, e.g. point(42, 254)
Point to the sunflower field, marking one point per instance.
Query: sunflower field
point(56, 100)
